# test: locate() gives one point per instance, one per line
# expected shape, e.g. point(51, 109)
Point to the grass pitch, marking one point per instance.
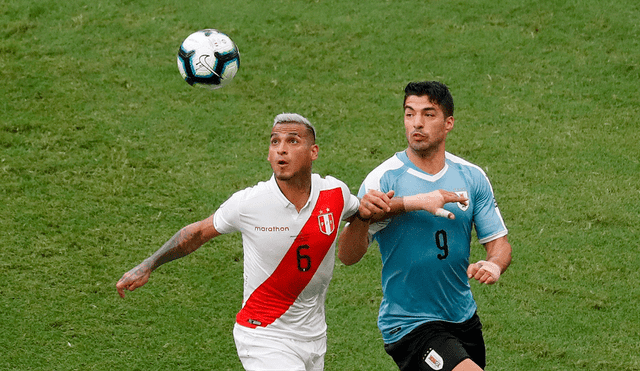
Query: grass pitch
point(105, 152)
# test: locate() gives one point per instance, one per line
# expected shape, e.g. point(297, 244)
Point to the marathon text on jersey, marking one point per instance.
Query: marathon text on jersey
point(272, 229)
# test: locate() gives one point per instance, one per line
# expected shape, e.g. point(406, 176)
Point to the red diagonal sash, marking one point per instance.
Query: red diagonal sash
point(278, 292)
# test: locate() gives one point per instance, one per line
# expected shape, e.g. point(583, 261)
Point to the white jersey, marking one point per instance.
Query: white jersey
point(288, 255)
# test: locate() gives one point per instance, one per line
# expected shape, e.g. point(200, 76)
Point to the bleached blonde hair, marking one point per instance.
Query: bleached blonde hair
point(295, 118)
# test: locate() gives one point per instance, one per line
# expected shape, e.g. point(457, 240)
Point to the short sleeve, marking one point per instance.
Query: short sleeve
point(351, 205)
point(227, 218)
point(487, 218)
point(372, 181)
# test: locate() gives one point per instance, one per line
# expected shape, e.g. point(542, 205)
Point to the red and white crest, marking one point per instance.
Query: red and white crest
point(326, 223)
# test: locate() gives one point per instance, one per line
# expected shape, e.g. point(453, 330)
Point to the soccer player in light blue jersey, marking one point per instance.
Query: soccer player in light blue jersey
point(428, 317)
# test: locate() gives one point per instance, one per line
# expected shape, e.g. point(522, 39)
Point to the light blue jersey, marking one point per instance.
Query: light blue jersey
point(425, 258)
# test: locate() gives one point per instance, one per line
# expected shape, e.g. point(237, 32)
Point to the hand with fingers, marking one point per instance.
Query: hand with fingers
point(375, 205)
point(484, 272)
point(133, 279)
point(434, 202)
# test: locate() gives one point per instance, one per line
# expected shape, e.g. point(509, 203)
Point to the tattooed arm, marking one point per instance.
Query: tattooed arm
point(183, 243)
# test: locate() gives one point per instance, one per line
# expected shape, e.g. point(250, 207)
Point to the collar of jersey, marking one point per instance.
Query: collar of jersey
point(281, 197)
point(417, 172)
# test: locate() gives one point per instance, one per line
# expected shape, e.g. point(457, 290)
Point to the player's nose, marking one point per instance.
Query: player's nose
point(419, 122)
point(282, 148)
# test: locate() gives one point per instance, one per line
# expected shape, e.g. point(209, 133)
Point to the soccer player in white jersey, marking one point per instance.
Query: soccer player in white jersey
point(289, 226)
point(428, 316)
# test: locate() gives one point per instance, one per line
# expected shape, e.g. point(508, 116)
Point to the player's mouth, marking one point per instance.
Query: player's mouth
point(418, 136)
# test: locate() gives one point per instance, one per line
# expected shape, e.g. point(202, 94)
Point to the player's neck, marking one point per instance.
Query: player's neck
point(429, 162)
point(296, 190)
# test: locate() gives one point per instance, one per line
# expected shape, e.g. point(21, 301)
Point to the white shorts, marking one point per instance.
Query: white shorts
point(259, 353)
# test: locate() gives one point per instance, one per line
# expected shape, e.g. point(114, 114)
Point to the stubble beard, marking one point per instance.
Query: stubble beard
point(426, 149)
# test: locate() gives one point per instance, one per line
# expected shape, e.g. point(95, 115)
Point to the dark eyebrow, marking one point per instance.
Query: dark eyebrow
point(424, 109)
point(290, 134)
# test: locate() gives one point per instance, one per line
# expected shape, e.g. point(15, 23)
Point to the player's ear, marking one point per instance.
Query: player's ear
point(448, 123)
point(314, 152)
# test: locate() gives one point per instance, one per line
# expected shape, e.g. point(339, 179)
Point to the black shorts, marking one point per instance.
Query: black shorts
point(439, 346)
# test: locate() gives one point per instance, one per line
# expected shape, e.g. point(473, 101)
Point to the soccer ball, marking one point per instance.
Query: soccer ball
point(208, 58)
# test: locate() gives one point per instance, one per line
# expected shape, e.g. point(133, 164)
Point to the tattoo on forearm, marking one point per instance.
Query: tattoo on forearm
point(183, 243)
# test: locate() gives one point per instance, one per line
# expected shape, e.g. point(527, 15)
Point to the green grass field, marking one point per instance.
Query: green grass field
point(105, 153)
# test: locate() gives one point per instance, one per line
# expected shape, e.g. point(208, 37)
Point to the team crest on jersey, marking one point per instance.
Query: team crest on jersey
point(434, 360)
point(326, 223)
point(462, 206)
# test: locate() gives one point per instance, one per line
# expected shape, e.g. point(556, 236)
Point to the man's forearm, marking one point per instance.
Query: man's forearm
point(183, 243)
point(499, 252)
point(353, 242)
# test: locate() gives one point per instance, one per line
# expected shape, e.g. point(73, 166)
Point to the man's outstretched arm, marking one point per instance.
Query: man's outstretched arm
point(375, 206)
point(183, 243)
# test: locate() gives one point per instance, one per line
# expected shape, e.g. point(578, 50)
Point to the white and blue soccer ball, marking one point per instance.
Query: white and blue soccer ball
point(208, 58)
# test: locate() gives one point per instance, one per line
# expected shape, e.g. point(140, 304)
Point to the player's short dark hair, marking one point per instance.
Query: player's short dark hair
point(437, 92)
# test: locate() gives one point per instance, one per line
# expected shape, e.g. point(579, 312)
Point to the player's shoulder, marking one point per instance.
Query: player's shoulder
point(393, 164)
point(464, 165)
point(385, 174)
point(261, 189)
point(327, 182)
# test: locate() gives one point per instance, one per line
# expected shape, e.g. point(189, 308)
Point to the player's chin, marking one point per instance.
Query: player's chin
point(281, 175)
point(279, 170)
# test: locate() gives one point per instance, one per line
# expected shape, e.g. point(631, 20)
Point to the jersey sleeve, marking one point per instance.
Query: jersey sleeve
point(374, 181)
point(351, 206)
point(351, 202)
point(227, 218)
point(486, 217)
